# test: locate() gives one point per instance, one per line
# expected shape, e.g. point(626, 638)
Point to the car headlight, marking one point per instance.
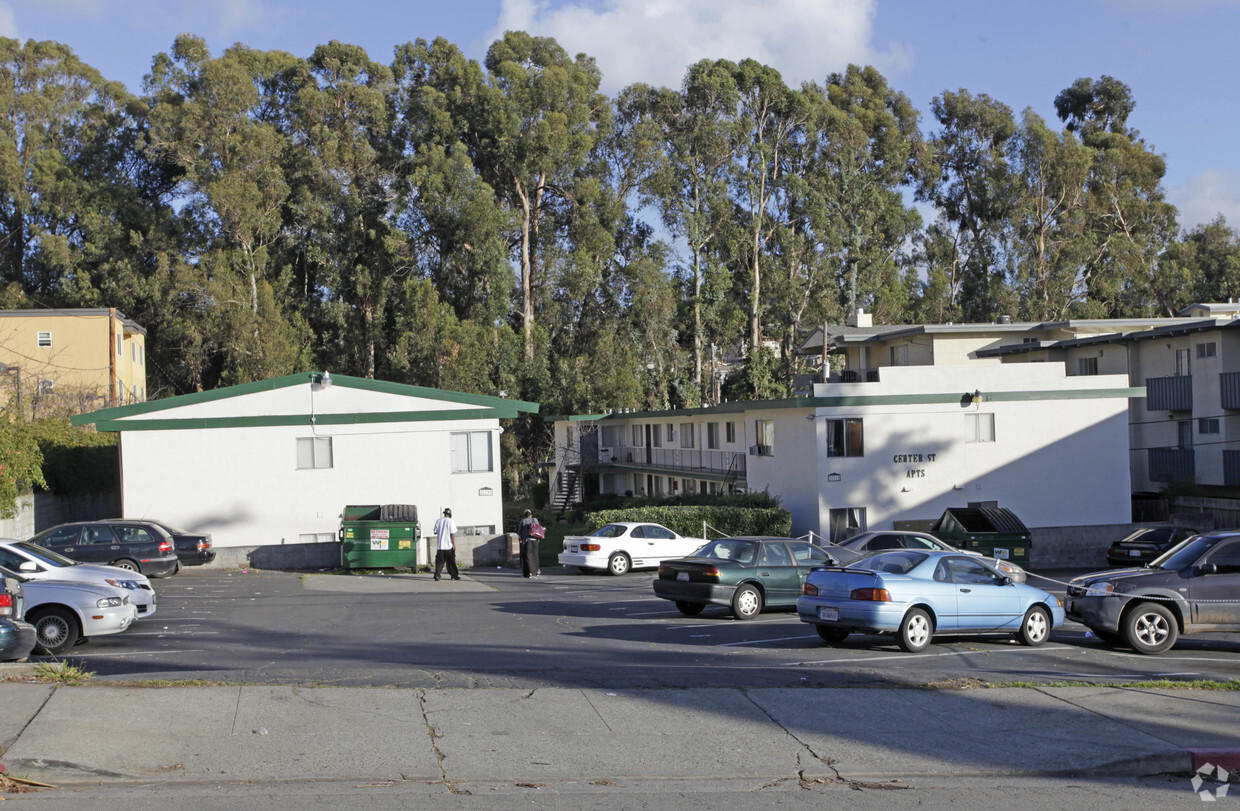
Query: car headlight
point(123, 584)
point(109, 602)
point(1099, 589)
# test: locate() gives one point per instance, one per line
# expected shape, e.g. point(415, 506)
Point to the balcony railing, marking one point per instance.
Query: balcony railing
point(1169, 393)
point(1229, 389)
point(854, 376)
point(1171, 465)
point(681, 460)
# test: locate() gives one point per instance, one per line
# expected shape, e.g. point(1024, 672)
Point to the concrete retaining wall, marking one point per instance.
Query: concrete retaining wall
point(497, 550)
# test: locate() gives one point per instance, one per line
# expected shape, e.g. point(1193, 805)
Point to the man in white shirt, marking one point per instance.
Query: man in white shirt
point(445, 549)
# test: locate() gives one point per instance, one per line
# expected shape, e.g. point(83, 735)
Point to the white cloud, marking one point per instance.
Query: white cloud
point(1205, 196)
point(8, 22)
point(654, 41)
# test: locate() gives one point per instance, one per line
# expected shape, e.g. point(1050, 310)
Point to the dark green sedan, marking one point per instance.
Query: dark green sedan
point(746, 574)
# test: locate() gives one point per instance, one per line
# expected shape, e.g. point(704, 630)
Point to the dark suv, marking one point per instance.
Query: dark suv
point(139, 546)
point(1192, 588)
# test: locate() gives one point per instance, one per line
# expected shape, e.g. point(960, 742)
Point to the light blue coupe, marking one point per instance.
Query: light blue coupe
point(918, 594)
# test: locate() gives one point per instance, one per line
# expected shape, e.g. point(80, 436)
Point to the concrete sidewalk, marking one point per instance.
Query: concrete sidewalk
point(113, 735)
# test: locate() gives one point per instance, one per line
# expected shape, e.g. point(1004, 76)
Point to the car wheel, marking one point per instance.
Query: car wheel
point(618, 563)
point(1035, 628)
point(746, 603)
point(689, 609)
point(1150, 628)
point(832, 633)
point(916, 631)
point(126, 563)
point(56, 629)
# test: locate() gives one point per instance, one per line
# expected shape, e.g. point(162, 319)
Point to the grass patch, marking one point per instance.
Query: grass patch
point(62, 673)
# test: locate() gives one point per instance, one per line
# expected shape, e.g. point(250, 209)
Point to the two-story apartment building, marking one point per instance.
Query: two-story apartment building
point(901, 445)
point(71, 361)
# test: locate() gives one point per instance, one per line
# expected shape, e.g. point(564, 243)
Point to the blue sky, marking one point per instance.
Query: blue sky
point(1178, 56)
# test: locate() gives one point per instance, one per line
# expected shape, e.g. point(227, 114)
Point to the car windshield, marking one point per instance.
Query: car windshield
point(1149, 535)
point(609, 531)
point(901, 562)
point(45, 555)
point(730, 549)
point(1184, 554)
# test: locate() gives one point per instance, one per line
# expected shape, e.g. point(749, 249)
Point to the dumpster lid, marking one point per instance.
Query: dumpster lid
point(983, 519)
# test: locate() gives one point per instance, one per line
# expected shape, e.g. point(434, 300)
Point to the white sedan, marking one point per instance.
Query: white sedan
point(626, 545)
point(37, 563)
point(65, 614)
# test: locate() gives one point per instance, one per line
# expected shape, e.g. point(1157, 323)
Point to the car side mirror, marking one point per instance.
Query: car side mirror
point(1206, 568)
point(28, 566)
point(1007, 581)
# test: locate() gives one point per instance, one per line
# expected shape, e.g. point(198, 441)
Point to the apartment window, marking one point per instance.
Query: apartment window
point(1207, 425)
point(764, 432)
point(44, 339)
point(1184, 434)
point(656, 435)
point(845, 522)
point(686, 435)
point(314, 453)
point(609, 436)
point(979, 427)
point(712, 436)
point(1207, 350)
point(845, 437)
point(899, 355)
point(729, 432)
point(471, 451)
point(637, 436)
point(1181, 363)
point(1087, 366)
point(118, 345)
point(671, 435)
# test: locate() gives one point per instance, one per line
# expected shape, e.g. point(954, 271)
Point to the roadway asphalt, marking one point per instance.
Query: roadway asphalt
point(597, 739)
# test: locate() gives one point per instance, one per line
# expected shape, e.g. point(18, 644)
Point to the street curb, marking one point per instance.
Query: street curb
point(1228, 759)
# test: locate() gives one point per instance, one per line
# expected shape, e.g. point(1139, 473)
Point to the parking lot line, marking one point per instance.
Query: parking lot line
point(760, 641)
point(903, 656)
point(88, 655)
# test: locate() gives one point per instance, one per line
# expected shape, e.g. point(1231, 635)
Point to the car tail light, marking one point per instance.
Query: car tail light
point(710, 571)
point(590, 547)
point(809, 590)
point(204, 546)
point(872, 595)
point(6, 605)
point(164, 546)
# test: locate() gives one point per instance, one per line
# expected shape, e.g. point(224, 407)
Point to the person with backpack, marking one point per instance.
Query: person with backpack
point(530, 532)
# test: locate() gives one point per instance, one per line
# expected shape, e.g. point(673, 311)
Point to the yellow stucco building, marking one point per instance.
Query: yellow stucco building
point(71, 361)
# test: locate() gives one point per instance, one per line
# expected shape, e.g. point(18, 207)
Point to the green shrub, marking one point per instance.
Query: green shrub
point(77, 461)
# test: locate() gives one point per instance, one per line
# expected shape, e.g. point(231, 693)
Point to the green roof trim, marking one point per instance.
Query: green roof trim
point(846, 401)
point(116, 419)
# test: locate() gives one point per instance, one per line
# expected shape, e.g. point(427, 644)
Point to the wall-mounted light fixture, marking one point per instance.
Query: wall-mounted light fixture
point(320, 380)
point(977, 397)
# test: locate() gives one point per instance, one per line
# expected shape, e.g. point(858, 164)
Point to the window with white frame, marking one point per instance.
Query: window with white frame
point(729, 432)
point(712, 436)
point(44, 339)
point(609, 436)
point(471, 451)
point(1207, 350)
point(1087, 366)
point(979, 427)
point(764, 433)
point(899, 355)
point(846, 437)
point(686, 435)
point(1207, 425)
point(671, 435)
point(637, 436)
point(314, 453)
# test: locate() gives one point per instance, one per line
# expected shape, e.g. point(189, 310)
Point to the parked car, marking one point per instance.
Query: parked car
point(17, 637)
point(65, 614)
point(139, 546)
point(1192, 588)
point(1145, 544)
point(917, 594)
point(746, 574)
point(192, 548)
point(37, 563)
point(626, 545)
point(864, 543)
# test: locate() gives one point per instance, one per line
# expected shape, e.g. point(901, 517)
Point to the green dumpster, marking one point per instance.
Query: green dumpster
point(993, 531)
point(379, 536)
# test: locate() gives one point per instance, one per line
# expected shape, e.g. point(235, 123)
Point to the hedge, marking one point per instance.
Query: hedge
point(720, 520)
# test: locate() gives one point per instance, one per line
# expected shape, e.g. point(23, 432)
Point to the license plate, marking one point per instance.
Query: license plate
point(682, 575)
point(1134, 553)
point(572, 548)
point(830, 614)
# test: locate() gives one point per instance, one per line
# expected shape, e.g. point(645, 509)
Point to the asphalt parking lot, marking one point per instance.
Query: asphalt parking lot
point(494, 628)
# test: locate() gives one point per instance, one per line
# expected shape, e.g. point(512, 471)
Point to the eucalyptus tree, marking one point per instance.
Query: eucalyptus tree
point(207, 118)
point(973, 193)
point(1208, 260)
